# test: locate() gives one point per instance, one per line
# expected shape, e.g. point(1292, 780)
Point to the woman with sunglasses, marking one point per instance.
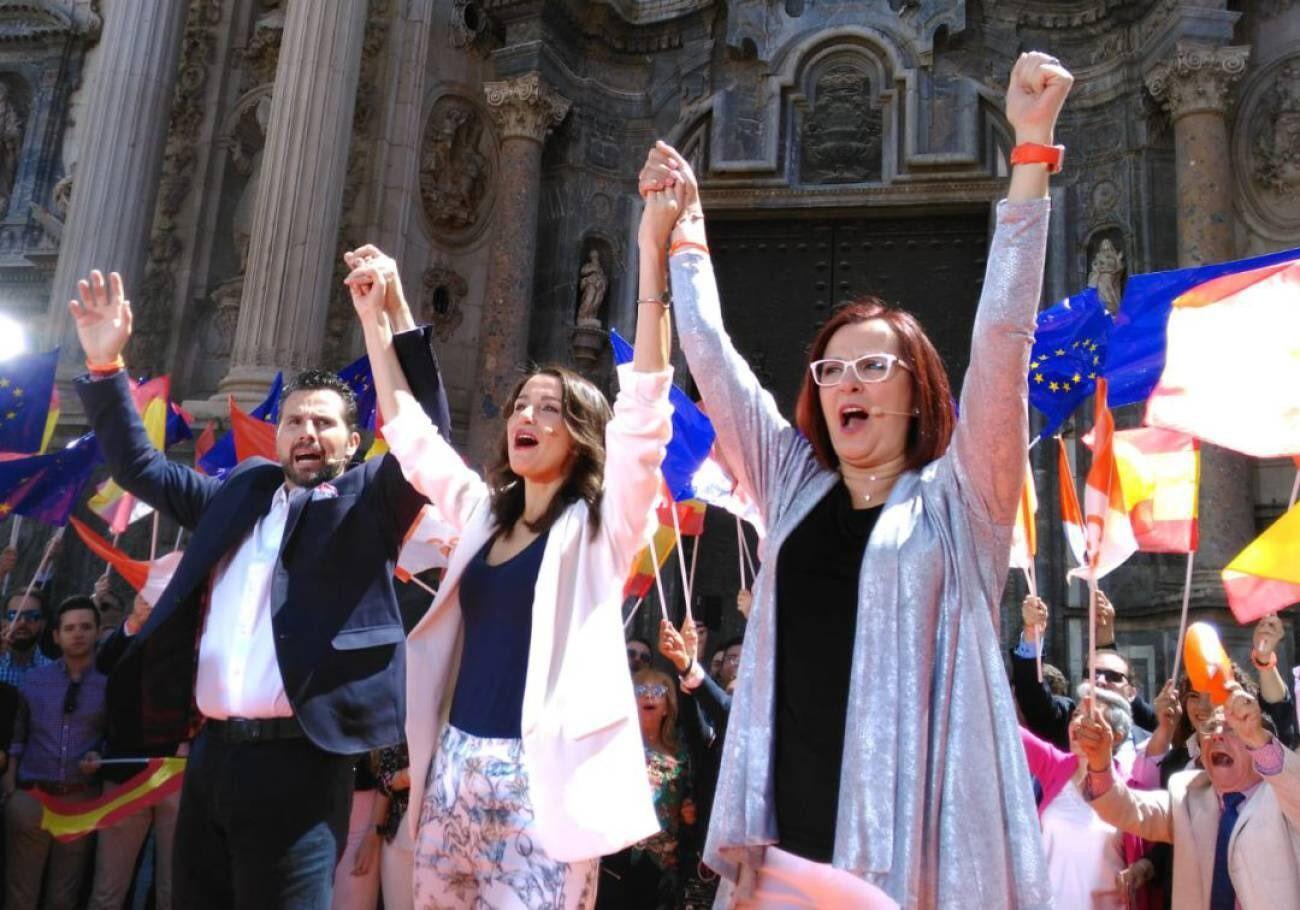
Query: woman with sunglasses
point(526, 763)
point(646, 875)
point(873, 756)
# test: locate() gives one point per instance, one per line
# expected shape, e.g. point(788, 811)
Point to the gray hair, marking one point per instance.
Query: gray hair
point(1117, 711)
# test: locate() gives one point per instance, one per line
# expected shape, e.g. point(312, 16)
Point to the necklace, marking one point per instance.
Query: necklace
point(872, 478)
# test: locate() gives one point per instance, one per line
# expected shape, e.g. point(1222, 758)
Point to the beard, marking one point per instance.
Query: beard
point(312, 477)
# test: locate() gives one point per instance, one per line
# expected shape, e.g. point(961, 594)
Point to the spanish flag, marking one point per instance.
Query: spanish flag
point(68, 820)
point(1109, 530)
point(1265, 577)
point(642, 577)
point(1024, 534)
point(1160, 472)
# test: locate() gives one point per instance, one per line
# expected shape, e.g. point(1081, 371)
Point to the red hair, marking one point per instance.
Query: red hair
point(931, 430)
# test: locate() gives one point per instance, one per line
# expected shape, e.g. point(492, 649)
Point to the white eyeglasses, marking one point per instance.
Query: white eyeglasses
point(868, 368)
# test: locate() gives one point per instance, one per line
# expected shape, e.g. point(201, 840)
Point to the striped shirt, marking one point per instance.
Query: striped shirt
point(56, 727)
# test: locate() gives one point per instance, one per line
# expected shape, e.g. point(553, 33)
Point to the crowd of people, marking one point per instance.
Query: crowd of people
point(508, 748)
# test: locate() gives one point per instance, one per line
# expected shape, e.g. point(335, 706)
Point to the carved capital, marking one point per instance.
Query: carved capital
point(525, 107)
point(1197, 79)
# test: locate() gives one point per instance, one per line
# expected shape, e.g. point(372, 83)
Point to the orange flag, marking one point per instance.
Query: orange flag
point(252, 436)
point(1071, 516)
point(1109, 532)
point(148, 577)
point(207, 439)
point(1024, 535)
point(1265, 577)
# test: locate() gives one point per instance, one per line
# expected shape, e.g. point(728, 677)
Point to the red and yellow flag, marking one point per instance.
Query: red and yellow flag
point(110, 502)
point(68, 820)
point(1265, 577)
point(1024, 534)
point(642, 577)
point(1071, 515)
point(1109, 531)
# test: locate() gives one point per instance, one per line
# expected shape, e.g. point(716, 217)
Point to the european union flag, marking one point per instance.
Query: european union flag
point(358, 376)
point(26, 383)
point(47, 487)
point(1136, 357)
point(692, 437)
point(221, 457)
point(1070, 346)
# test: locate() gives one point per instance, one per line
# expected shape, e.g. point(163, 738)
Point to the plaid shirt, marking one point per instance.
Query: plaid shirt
point(56, 728)
point(13, 672)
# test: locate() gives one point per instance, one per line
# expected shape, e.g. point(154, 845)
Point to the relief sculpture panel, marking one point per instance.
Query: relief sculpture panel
point(457, 168)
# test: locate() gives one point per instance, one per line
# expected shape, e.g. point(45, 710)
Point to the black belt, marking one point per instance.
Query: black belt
point(53, 787)
point(254, 729)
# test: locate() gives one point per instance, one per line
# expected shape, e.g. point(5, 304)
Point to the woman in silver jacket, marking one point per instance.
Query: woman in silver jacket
point(889, 528)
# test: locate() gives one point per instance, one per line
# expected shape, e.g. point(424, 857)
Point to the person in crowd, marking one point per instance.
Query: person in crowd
point(1092, 865)
point(397, 852)
point(647, 875)
point(715, 663)
point(1048, 715)
point(111, 611)
point(890, 522)
point(357, 874)
point(705, 706)
point(286, 586)
point(60, 726)
point(1057, 684)
point(638, 655)
point(117, 847)
point(24, 624)
point(730, 665)
point(1275, 695)
point(1234, 822)
point(522, 646)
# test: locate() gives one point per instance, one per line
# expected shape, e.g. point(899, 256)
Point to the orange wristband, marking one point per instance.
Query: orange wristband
point(111, 367)
point(687, 245)
point(1033, 153)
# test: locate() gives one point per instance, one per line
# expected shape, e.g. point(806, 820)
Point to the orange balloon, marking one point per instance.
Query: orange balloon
point(1208, 666)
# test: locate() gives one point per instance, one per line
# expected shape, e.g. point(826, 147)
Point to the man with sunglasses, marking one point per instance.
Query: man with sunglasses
point(638, 655)
point(24, 624)
point(59, 730)
point(1047, 715)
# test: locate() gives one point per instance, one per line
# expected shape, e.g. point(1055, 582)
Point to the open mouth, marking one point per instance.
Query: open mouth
point(307, 459)
point(1221, 759)
point(853, 415)
point(525, 439)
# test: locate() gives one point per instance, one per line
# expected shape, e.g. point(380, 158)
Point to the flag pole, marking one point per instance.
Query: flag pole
point(740, 552)
point(45, 558)
point(419, 583)
point(695, 558)
point(17, 525)
point(632, 613)
point(1031, 579)
point(681, 555)
point(153, 540)
point(108, 566)
point(180, 531)
point(1182, 623)
point(659, 582)
point(1092, 637)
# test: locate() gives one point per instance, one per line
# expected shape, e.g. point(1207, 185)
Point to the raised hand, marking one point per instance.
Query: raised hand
point(1268, 634)
point(103, 317)
point(1244, 717)
point(394, 298)
point(665, 167)
point(673, 646)
point(1036, 93)
point(141, 609)
point(662, 209)
point(368, 285)
point(1033, 612)
point(1091, 736)
point(1168, 707)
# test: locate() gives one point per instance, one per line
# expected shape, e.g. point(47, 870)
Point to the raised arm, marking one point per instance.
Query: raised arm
point(1148, 814)
point(991, 437)
point(103, 321)
point(636, 437)
point(426, 458)
point(752, 434)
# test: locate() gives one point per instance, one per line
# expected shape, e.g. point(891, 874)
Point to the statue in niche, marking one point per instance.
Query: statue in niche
point(1277, 134)
point(594, 285)
point(454, 171)
point(11, 141)
point(841, 138)
point(246, 156)
point(1106, 274)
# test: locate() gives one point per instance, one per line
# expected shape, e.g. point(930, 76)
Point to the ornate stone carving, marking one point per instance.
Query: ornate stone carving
point(158, 290)
point(457, 166)
point(1197, 79)
point(246, 142)
point(12, 122)
point(471, 27)
point(593, 285)
point(441, 300)
point(1106, 274)
point(525, 107)
point(1275, 133)
point(841, 137)
point(262, 54)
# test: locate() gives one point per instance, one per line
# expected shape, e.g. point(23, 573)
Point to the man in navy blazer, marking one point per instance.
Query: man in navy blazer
point(279, 633)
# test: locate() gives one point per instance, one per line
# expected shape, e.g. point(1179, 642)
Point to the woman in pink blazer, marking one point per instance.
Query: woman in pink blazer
point(526, 757)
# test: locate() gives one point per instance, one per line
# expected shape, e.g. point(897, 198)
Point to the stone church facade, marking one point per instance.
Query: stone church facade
point(223, 153)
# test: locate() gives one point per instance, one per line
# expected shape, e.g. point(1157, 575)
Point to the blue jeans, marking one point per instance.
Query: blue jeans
point(261, 825)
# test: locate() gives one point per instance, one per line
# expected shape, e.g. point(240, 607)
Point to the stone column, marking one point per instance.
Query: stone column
point(525, 110)
point(295, 221)
point(124, 131)
point(1195, 85)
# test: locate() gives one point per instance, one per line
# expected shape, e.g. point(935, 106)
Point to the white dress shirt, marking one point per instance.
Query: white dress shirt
point(239, 674)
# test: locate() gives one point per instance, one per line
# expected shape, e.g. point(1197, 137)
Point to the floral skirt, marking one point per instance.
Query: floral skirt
point(475, 846)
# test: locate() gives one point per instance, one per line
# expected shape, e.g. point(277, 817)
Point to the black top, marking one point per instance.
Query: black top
point(816, 615)
point(497, 603)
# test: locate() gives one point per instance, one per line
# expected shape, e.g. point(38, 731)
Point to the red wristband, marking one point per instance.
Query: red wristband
point(1033, 153)
point(687, 245)
point(1265, 665)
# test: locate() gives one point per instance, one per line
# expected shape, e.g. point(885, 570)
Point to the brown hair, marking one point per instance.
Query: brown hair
point(585, 412)
point(667, 726)
point(930, 431)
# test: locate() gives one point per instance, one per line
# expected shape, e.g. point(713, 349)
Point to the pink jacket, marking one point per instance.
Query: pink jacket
point(1054, 770)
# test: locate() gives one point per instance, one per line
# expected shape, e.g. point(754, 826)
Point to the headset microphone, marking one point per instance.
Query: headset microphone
point(878, 411)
